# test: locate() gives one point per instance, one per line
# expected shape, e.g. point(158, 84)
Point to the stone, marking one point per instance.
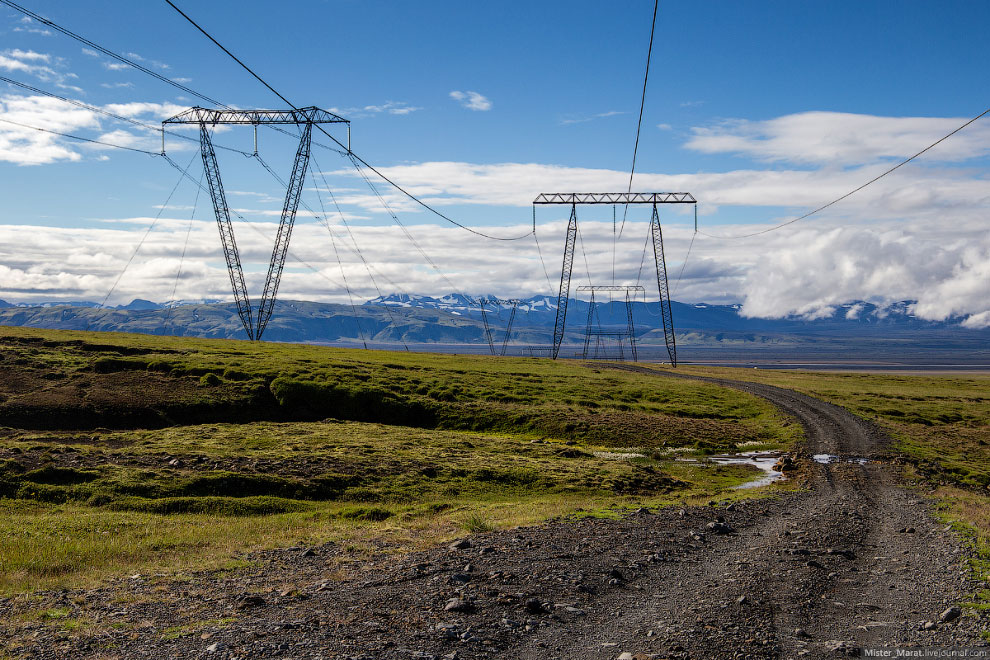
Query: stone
point(742, 600)
point(950, 614)
point(534, 606)
point(213, 648)
point(846, 648)
point(309, 552)
point(458, 605)
point(928, 625)
point(245, 602)
point(462, 544)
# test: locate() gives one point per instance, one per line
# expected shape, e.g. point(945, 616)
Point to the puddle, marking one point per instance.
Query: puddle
point(826, 459)
point(761, 460)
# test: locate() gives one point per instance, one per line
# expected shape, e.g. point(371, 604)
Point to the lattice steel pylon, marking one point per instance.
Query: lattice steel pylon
point(499, 303)
point(600, 335)
point(206, 119)
point(653, 199)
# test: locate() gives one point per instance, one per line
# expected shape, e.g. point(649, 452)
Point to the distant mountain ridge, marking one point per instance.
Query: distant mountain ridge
point(457, 319)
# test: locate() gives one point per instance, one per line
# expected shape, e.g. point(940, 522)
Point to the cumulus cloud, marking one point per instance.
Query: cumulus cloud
point(24, 146)
point(919, 235)
point(138, 109)
point(42, 66)
point(471, 100)
point(840, 138)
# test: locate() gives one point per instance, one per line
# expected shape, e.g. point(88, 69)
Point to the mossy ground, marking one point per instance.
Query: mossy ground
point(134, 454)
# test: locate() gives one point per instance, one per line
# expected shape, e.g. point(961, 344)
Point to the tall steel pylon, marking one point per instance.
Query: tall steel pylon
point(616, 335)
point(489, 335)
point(207, 119)
point(653, 199)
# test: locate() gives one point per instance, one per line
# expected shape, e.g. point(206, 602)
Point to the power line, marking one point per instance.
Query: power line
point(854, 190)
point(642, 104)
point(113, 115)
point(184, 174)
point(182, 257)
point(338, 142)
point(80, 138)
point(109, 53)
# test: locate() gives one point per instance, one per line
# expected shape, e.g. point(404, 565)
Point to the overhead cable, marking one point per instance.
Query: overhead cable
point(339, 143)
point(642, 104)
point(110, 53)
point(113, 115)
point(854, 190)
point(80, 138)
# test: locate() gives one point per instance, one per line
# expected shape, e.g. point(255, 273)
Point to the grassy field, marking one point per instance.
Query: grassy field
point(124, 454)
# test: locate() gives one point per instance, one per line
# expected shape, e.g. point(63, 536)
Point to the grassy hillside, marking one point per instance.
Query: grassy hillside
point(130, 453)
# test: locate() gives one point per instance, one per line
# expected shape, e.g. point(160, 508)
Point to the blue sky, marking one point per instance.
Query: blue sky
point(761, 109)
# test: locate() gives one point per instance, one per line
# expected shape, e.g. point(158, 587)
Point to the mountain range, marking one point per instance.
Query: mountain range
point(456, 320)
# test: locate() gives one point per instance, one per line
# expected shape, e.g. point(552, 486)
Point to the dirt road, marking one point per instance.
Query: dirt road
point(855, 561)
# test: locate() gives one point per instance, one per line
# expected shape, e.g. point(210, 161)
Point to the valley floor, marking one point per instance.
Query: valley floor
point(855, 560)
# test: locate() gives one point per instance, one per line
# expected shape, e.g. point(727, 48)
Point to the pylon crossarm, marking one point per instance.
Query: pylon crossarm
point(616, 198)
point(280, 250)
point(308, 115)
point(222, 211)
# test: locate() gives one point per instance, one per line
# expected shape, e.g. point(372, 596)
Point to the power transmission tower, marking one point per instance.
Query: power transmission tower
point(207, 119)
point(498, 303)
point(653, 199)
point(600, 335)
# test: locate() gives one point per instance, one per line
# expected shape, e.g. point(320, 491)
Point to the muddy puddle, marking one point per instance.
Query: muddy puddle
point(763, 461)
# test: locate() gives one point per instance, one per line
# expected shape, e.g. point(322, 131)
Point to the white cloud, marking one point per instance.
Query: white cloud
point(25, 146)
point(471, 100)
point(839, 138)
point(389, 107)
point(116, 66)
point(27, 25)
point(36, 64)
point(137, 109)
point(580, 119)
point(29, 55)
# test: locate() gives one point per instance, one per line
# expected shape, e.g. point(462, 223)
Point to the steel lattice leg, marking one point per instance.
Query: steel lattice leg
point(665, 311)
point(222, 211)
point(565, 282)
point(281, 248)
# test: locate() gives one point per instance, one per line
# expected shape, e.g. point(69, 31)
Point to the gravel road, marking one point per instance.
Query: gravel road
point(853, 561)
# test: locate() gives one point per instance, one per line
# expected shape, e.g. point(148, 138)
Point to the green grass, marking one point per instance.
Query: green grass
point(132, 454)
